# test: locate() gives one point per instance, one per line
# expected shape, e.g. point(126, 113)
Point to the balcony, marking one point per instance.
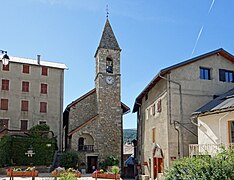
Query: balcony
point(85, 147)
point(207, 149)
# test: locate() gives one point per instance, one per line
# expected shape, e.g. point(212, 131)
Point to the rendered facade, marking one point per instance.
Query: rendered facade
point(93, 122)
point(31, 94)
point(165, 106)
point(215, 122)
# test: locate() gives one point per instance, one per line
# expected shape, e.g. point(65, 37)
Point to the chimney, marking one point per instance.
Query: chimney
point(38, 59)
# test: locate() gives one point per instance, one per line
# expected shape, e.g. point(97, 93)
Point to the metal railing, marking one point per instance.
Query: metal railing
point(207, 149)
point(85, 147)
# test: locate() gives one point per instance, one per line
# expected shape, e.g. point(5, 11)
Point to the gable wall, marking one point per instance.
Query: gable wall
point(82, 111)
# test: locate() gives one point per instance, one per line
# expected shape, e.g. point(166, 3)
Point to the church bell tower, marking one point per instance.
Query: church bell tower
point(108, 87)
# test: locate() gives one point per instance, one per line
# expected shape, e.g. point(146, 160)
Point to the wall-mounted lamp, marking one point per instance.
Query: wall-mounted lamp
point(5, 59)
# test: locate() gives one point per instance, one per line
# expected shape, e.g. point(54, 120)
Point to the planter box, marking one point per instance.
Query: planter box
point(22, 173)
point(105, 176)
point(57, 174)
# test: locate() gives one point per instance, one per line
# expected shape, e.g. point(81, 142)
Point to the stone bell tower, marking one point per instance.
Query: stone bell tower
point(108, 86)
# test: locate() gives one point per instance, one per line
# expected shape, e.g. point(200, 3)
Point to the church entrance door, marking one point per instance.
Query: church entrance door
point(92, 163)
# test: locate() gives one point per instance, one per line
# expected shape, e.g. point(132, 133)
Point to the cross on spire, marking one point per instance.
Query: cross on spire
point(107, 11)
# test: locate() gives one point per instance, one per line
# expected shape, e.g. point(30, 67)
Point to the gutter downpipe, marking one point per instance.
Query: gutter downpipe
point(181, 114)
point(139, 144)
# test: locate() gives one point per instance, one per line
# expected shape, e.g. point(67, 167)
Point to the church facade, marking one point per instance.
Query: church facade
point(93, 122)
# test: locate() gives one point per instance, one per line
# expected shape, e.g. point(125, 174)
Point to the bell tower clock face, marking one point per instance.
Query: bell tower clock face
point(109, 80)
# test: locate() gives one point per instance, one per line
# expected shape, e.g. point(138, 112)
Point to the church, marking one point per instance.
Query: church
point(93, 123)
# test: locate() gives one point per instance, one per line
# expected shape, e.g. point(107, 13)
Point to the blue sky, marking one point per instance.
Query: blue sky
point(152, 34)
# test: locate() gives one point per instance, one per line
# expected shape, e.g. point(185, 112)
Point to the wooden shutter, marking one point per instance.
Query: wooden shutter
point(222, 75)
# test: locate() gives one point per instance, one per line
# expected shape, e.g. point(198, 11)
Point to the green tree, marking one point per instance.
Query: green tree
point(69, 159)
point(218, 167)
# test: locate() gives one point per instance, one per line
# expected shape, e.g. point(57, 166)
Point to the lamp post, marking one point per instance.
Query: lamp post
point(5, 59)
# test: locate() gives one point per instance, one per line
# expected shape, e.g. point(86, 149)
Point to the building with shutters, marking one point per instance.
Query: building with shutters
point(31, 94)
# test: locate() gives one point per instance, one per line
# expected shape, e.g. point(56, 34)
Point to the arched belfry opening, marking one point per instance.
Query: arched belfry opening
point(109, 65)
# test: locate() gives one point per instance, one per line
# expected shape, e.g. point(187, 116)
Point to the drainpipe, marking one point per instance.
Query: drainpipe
point(177, 129)
point(181, 111)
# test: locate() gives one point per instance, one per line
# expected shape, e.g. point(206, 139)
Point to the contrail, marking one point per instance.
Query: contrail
point(211, 6)
point(198, 37)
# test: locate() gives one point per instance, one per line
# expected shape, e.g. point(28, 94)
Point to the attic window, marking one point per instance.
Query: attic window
point(225, 75)
point(109, 65)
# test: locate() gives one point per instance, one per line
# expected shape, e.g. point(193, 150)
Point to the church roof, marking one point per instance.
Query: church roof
point(108, 39)
point(125, 108)
point(82, 125)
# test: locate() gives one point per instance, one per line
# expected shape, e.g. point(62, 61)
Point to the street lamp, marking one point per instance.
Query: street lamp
point(5, 58)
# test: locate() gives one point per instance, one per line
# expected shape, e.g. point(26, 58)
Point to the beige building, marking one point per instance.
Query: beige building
point(93, 122)
point(31, 94)
point(165, 106)
point(215, 122)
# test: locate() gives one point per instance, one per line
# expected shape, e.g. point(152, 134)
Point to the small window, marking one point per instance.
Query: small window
point(42, 122)
point(153, 135)
point(146, 114)
point(24, 105)
point(159, 105)
point(43, 88)
point(24, 125)
point(6, 67)
point(5, 84)
point(204, 73)
point(153, 109)
point(44, 71)
point(43, 107)
point(4, 123)
point(4, 104)
point(225, 75)
point(26, 68)
point(231, 131)
point(109, 65)
point(25, 86)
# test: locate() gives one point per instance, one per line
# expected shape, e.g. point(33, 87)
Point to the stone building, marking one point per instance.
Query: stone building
point(31, 94)
point(93, 122)
point(165, 106)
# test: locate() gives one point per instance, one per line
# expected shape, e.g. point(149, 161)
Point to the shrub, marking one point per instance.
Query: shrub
point(115, 169)
point(69, 159)
point(204, 167)
point(109, 161)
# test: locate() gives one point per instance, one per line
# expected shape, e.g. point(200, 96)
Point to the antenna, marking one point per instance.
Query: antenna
point(107, 11)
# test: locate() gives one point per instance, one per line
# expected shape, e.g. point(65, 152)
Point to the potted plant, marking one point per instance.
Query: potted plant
point(61, 171)
point(18, 172)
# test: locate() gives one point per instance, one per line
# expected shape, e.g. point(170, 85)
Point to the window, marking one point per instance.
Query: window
point(109, 65)
point(4, 104)
point(25, 86)
point(225, 75)
point(5, 84)
point(159, 105)
point(44, 88)
point(43, 107)
point(153, 135)
point(3, 123)
point(24, 105)
point(24, 125)
point(44, 71)
point(231, 131)
point(153, 109)
point(146, 114)
point(26, 68)
point(204, 73)
point(42, 122)
point(6, 67)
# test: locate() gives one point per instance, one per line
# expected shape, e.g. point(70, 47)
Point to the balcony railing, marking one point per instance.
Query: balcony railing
point(207, 149)
point(85, 147)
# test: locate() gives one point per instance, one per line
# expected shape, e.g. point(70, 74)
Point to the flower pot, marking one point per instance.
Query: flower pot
point(22, 173)
point(105, 176)
point(57, 174)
